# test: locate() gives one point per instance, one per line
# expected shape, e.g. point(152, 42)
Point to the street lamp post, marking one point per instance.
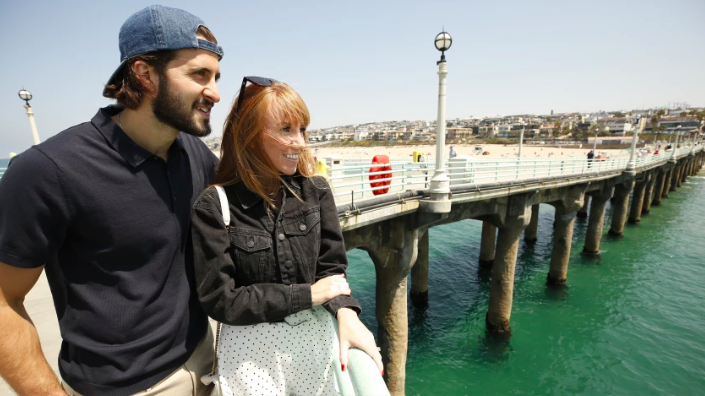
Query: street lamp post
point(27, 96)
point(521, 138)
point(439, 188)
point(594, 144)
point(675, 146)
point(631, 165)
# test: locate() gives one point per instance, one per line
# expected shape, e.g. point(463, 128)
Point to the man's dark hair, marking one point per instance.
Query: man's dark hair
point(129, 89)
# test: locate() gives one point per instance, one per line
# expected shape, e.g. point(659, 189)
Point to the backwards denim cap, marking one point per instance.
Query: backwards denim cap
point(159, 28)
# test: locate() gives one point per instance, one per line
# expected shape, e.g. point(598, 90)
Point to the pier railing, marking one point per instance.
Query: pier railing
point(350, 178)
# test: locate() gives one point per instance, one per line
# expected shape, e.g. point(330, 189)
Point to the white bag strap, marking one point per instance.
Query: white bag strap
point(224, 205)
point(213, 378)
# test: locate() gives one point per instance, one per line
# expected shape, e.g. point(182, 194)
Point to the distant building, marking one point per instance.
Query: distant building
point(673, 123)
point(460, 133)
point(617, 126)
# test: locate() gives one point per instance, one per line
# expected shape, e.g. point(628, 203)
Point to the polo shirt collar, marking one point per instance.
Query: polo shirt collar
point(249, 198)
point(120, 142)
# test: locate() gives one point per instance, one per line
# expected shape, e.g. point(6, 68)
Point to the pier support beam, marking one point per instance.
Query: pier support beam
point(531, 232)
point(487, 244)
point(660, 182)
point(673, 179)
point(638, 200)
point(646, 207)
point(419, 275)
point(596, 221)
point(621, 203)
point(563, 235)
point(667, 185)
point(583, 211)
point(679, 178)
point(393, 247)
point(502, 284)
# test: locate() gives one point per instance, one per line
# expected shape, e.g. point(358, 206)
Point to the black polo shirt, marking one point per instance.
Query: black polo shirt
point(109, 220)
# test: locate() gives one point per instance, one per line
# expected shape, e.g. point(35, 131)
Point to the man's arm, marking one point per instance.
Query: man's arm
point(22, 362)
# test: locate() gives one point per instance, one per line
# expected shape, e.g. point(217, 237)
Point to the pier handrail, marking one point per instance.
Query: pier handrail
point(352, 182)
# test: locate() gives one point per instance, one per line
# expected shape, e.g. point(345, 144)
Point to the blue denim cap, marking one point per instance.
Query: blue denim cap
point(159, 28)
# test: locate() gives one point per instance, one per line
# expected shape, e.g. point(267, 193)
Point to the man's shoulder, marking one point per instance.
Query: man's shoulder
point(69, 141)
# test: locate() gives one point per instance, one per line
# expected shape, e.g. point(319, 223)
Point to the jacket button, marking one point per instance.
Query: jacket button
point(302, 227)
point(287, 263)
point(250, 243)
point(281, 237)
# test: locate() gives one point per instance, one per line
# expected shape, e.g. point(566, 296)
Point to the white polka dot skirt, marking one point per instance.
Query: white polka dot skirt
point(293, 357)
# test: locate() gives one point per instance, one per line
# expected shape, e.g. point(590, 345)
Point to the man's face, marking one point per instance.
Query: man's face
point(187, 92)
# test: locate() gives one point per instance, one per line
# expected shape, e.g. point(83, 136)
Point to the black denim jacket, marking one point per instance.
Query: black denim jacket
point(262, 268)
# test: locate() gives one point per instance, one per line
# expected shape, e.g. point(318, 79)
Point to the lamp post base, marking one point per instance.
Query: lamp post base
point(439, 189)
point(438, 203)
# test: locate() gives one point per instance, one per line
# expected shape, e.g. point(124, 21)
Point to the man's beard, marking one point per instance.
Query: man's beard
point(169, 108)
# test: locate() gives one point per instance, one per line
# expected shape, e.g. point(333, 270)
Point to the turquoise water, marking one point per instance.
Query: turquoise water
point(629, 323)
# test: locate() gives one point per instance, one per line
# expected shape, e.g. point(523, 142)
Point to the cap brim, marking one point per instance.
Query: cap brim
point(116, 74)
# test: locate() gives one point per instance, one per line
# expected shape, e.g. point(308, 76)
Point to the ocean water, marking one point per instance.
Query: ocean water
point(629, 323)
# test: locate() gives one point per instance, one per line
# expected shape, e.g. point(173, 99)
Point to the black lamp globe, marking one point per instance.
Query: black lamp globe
point(25, 95)
point(443, 42)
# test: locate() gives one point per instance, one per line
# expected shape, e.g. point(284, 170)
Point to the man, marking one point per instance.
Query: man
point(104, 207)
point(453, 153)
point(590, 156)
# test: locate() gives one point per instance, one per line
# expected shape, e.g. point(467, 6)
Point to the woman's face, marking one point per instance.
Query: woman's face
point(283, 141)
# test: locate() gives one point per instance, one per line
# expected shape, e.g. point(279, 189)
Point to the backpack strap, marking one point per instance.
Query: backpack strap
point(224, 205)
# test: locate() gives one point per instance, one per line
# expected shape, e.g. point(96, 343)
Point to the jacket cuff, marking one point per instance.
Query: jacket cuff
point(342, 302)
point(300, 297)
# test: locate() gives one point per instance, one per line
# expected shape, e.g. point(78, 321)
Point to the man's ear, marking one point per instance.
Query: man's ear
point(147, 75)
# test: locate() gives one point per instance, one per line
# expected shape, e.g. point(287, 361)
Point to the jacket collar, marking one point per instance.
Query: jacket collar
point(249, 198)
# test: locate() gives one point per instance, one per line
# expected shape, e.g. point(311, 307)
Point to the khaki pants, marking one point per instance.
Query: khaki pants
point(186, 380)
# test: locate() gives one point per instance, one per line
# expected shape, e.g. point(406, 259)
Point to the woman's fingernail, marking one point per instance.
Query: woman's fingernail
point(382, 373)
point(343, 366)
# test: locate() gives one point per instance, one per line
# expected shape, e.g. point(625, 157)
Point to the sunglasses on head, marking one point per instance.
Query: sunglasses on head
point(261, 81)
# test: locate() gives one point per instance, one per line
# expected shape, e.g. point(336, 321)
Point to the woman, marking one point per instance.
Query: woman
point(282, 259)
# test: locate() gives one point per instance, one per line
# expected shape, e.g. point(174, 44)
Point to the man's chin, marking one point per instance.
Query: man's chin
point(202, 131)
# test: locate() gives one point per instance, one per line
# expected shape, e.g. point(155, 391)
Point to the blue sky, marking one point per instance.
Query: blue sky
point(364, 61)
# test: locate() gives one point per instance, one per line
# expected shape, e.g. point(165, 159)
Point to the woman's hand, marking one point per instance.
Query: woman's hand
point(328, 288)
point(354, 334)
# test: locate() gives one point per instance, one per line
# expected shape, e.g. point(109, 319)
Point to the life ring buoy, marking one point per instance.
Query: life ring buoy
point(380, 163)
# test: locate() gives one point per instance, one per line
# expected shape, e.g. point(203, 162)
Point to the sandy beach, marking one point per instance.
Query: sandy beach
point(495, 150)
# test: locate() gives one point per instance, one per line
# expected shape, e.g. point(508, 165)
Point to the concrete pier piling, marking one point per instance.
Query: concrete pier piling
point(419, 275)
point(487, 244)
point(667, 184)
point(673, 179)
point(646, 206)
point(638, 199)
point(531, 232)
point(583, 211)
point(502, 284)
point(596, 221)
point(393, 250)
point(621, 203)
point(679, 179)
point(563, 237)
point(658, 187)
